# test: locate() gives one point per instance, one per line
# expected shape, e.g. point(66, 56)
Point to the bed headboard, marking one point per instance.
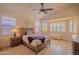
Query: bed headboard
point(26, 31)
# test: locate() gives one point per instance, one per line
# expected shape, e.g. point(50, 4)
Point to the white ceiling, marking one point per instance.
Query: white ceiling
point(24, 9)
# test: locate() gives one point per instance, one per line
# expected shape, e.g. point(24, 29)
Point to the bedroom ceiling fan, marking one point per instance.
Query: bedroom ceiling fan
point(42, 9)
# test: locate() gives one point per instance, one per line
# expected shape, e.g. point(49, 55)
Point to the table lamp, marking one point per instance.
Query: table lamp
point(14, 31)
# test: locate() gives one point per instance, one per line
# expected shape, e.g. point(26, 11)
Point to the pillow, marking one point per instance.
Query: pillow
point(36, 43)
point(25, 38)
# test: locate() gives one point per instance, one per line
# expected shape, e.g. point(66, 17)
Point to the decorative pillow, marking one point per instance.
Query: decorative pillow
point(36, 43)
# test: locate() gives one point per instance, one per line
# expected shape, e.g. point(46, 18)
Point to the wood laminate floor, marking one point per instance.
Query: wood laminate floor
point(57, 47)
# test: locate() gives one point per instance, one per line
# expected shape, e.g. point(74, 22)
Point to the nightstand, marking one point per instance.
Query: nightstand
point(15, 41)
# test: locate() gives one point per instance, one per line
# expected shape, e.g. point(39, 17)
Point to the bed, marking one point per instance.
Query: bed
point(35, 42)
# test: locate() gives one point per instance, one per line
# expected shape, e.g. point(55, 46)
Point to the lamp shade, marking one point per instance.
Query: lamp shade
point(14, 30)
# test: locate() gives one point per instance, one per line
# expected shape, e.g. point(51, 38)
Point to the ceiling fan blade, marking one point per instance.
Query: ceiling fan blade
point(36, 9)
point(48, 9)
point(42, 5)
point(44, 12)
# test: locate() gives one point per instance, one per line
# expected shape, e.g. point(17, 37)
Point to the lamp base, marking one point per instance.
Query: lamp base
point(14, 34)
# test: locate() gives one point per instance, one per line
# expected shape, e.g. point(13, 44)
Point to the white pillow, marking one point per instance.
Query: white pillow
point(36, 43)
point(25, 38)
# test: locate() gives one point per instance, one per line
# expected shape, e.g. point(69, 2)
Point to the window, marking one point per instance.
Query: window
point(51, 27)
point(73, 26)
point(62, 27)
point(54, 27)
point(37, 27)
point(7, 25)
point(44, 26)
point(67, 28)
point(70, 26)
point(57, 27)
